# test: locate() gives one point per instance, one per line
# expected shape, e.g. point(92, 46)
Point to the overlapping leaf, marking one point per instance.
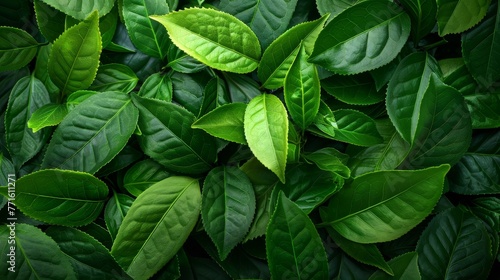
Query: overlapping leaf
point(116, 209)
point(455, 16)
point(225, 122)
point(80, 9)
point(157, 86)
point(357, 90)
point(17, 48)
point(47, 115)
point(356, 128)
point(114, 77)
point(404, 266)
point(423, 16)
point(142, 175)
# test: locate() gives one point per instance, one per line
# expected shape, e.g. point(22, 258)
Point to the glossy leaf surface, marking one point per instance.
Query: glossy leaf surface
point(81, 9)
point(47, 115)
point(356, 128)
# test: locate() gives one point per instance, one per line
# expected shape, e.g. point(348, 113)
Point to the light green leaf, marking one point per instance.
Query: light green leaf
point(384, 214)
point(80, 9)
point(423, 16)
point(356, 128)
point(266, 131)
point(116, 209)
point(294, 248)
point(157, 86)
point(225, 122)
point(325, 123)
point(60, 197)
point(36, 256)
point(75, 56)
point(114, 77)
point(78, 97)
point(142, 175)
point(17, 48)
point(455, 244)
point(357, 90)
point(165, 214)
point(228, 207)
point(93, 133)
point(404, 266)
point(456, 16)
point(47, 115)
point(217, 39)
point(361, 38)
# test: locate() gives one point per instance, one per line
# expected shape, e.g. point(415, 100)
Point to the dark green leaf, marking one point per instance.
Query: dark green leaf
point(329, 159)
point(142, 175)
point(404, 267)
point(188, 90)
point(157, 86)
point(356, 90)
point(335, 7)
point(456, 16)
point(423, 16)
point(114, 77)
point(181, 62)
point(116, 209)
point(17, 48)
point(241, 88)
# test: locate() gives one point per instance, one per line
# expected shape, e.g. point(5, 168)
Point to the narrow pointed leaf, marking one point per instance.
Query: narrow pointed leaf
point(456, 16)
point(114, 77)
point(404, 266)
point(116, 209)
point(205, 35)
point(47, 115)
point(225, 122)
point(17, 48)
point(80, 9)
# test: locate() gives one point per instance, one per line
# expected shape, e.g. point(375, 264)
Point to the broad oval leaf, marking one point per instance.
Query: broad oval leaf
point(93, 133)
point(361, 38)
point(385, 213)
point(75, 56)
point(157, 86)
point(228, 207)
point(36, 256)
point(17, 48)
point(80, 9)
point(215, 38)
point(423, 16)
point(168, 138)
point(266, 131)
point(294, 248)
point(60, 197)
point(47, 115)
point(404, 266)
point(455, 244)
point(456, 16)
point(163, 214)
point(356, 128)
point(147, 35)
point(114, 77)
point(143, 175)
point(225, 122)
point(116, 209)
point(357, 90)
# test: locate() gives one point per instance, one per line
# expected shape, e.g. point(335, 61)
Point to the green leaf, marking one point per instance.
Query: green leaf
point(294, 248)
point(361, 38)
point(456, 16)
point(279, 56)
point(215, 95)
point(404, 267)
point(163, 214)
point(168, 138)
point(147, 35)
point(455, 244)
point(325, 123)
point(80, 9)
point(142, 175)
point(27, 96)
point(99, 233)
point(228, 207)
point(114, 77)
point(188, 90)
point(302, 90)
point(356, 128)
point(343, 267)
point(241, 87)
point(335, 7)
point(89, 258)
point(483, 108)
point(93, 133)
point(456, 75)
point(205, 35)
point(50, 21)
point(75, 56)
point(116, 209)
point(480, 47)
point(266, 131)
point(225, 122)
point(384, 214)
point(60, 197)
point(17, 48)
point(36, 256)
point(47, 115)
point(329, 159)
point(157, 86)
point(357, 90)
point(181, 62)
point(78, 97)
point(422, 15)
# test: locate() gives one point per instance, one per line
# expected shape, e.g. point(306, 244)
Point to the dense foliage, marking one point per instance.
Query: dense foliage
point(249, 139)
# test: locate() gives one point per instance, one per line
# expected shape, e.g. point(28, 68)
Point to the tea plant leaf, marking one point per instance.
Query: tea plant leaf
point(483, 108)
point(61, 197)
point(115, 210)
point(215, 95)
point(225, 122)
point(35, 255)
point(266, 131)
point(114, 77)
point(454, 244)
point(293, 246)
point(142, 175)
point(147, 35)
point(361, 38)
point(28, 95)
point(279, 56)
point(384, 214)
point(47, 115)
point(302, 90)
point(181, 62)
point(456, 16)
point(241, 88)
point(422, 15)
point(331, 160)
point(404, 266)
point(205, 35)
point(228, 207)
point(168, 138)
point(88, 257)
point(188, 90)
point(83, 139)
point(17, 48)
point(73, 66)
point(356, 128)
point(335, 7)
point(357, 89)
point(325, 123)
point(157, 86)
point(163, 214)
point(80, 9)
point(50, 21)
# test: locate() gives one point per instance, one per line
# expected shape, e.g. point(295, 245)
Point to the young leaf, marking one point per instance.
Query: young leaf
point(455, 244)
point(75, 56)
point(422, 15)
point(225, 122)
point(168, 138)
point(384, 214)
point(37, 256)
point(361, 38)
point(60, 197)
point(80, 9)
point(266, 131)
point(157, 86)
point(302, 90)
point(116, 209)
point(87, 130)
point(356, 128)
point(456, 16)
point(294, 248)
point(114, 77)
point(142, 175)
point(147, 35)
point(228, 207)
point(217, 39)
point(17, 48)
point(404, 267)
point(357, 90)
point(47, 115)
point(163, 214)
